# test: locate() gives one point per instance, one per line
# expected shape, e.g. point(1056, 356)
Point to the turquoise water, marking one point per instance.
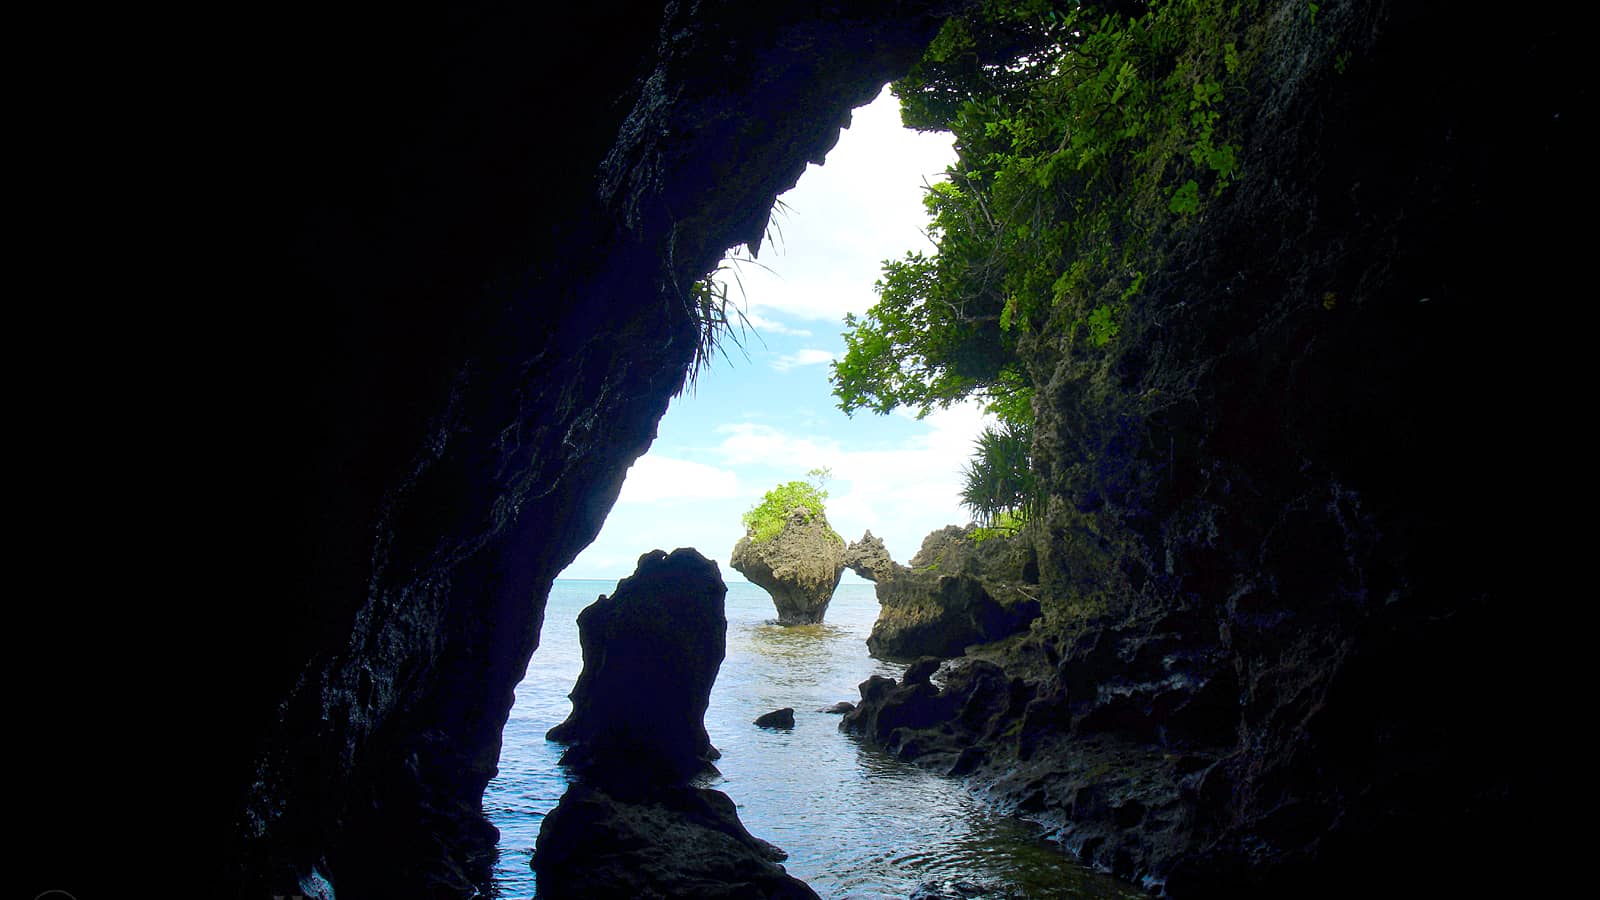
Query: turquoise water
point(857, 823)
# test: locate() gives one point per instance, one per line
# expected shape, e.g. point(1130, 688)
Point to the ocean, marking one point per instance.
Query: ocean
point(856, 822)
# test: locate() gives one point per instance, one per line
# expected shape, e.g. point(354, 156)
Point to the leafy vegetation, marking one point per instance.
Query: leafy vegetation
point(998, 482)
point(765, 520)
point(1085, 130)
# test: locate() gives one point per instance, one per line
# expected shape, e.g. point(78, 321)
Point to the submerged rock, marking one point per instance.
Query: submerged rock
point(957, 591)
point(778, 718)
point(650, 656)
point(800, 567)
point(843, 706)
point(675, 841)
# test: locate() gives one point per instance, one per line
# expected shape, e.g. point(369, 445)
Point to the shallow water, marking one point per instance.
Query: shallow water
point(857, 823)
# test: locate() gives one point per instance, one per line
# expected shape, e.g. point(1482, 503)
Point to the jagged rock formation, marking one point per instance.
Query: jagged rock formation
point(1269, 605)
point(631, 825)
point(651, 652)
point(800, 567)
point(956, 592)
point(464, 242)
point(870, 559)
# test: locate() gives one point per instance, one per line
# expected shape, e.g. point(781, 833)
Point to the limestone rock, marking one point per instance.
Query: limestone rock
point(650, 656)
point(870, 559)
point(956, 592)
point(663, 842)
point(800, 567)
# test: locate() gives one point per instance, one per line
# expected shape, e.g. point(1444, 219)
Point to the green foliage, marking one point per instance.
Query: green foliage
point(1103, 326)
point(765, 520)
point(1083, 130)
point(998, 483)
point(1186, 199)
point(1087, 131)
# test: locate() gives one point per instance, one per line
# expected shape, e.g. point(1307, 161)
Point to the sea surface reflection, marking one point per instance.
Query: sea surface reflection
point(857, 823)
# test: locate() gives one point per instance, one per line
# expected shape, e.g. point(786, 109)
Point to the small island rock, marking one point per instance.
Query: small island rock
point(800, 567)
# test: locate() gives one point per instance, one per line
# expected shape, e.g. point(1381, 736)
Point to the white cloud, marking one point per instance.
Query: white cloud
point(843, 218)
point(773, 326)
point(901, 493)
point(653, 478)
point(802, 358)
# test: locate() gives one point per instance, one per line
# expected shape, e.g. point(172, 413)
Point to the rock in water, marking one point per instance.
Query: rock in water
point(650, 656)
point(800, 567)
point(778, 718)
point(631, 825)
point(668, 842)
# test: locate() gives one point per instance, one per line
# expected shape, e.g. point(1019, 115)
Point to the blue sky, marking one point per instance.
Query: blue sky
point(767, 414)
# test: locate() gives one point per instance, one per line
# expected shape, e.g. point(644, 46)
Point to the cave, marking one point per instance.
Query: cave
point(455, 249)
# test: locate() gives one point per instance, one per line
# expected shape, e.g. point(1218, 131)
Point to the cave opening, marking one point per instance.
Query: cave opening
point(763, 413)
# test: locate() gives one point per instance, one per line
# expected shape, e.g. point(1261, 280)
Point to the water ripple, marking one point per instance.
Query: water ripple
point(857, 823)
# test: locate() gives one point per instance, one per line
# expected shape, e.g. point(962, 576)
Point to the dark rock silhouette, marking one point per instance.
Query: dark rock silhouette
point(843, 706)
point(668, 842)
point(651, 652)
point(799, 567)
point(632, 825)
point(778, 718)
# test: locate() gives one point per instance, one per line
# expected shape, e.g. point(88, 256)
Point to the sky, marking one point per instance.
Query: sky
point(766, 414)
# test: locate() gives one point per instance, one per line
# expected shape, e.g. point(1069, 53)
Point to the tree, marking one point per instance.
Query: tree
point(998, 482)
point(1087, 130)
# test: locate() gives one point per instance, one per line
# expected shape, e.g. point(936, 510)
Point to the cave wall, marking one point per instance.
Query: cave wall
point(458, 242)
point(1300, 597)
point(1278, 533)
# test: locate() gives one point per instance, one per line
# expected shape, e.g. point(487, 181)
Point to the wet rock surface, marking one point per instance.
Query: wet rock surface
point(799, 567)
point(631, 824)
point(957, 591)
